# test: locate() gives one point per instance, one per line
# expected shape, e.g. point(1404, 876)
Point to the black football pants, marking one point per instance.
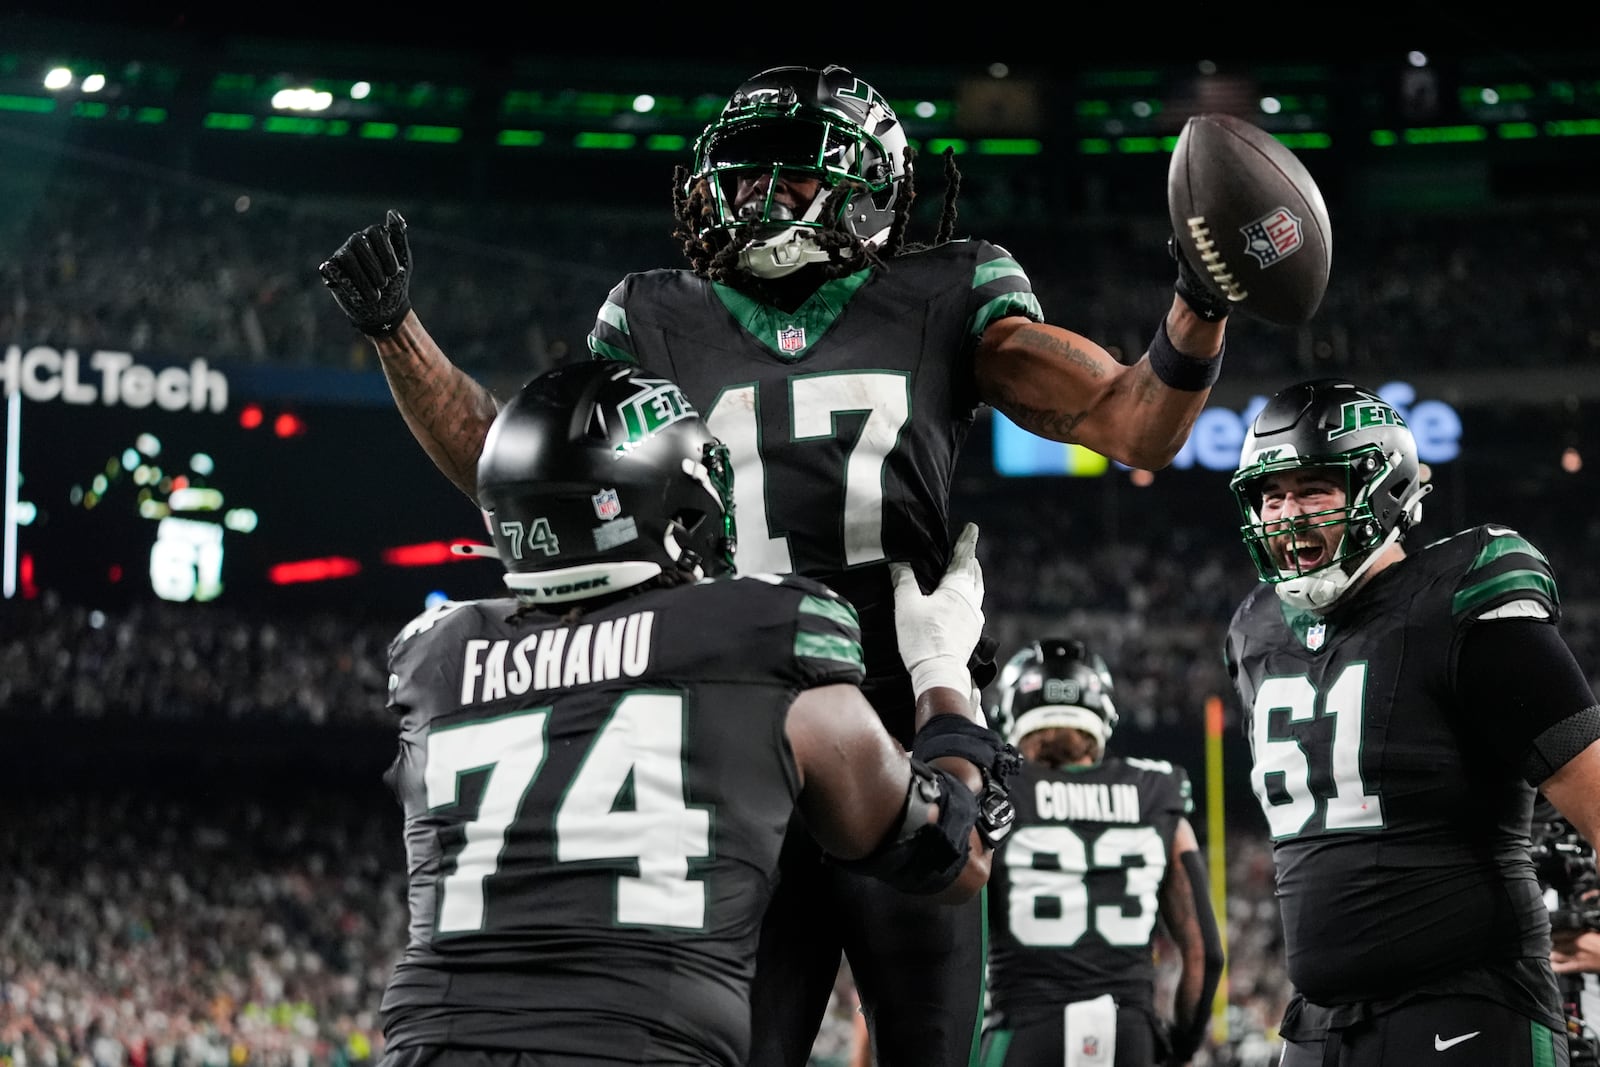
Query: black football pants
point(1436, 1032)
point(918, 966)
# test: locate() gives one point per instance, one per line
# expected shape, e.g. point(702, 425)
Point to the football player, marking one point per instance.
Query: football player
point(598, 771)
point(1402, 707)
point(843, 364)
point(1101, 848)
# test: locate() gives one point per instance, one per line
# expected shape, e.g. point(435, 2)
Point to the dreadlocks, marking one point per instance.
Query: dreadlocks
point(711, 255)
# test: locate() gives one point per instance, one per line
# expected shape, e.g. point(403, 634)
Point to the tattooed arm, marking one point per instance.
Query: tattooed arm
point(447, 411)
point(1060, 385)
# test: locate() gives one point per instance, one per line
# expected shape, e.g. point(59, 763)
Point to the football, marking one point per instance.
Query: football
point(1249, 218)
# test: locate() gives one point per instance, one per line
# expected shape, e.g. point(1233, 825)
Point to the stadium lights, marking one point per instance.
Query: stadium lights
point(302, 100)
point(94, 83)
point(360, 90)
point(57, 78)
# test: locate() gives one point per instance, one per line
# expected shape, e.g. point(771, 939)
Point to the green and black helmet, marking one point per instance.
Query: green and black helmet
point(1351, 434)
point(801, 122)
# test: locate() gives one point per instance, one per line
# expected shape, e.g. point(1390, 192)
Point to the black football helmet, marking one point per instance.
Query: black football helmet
point(825, 124)
point(598, 476)
point(1336, 426)
point(1052, 682)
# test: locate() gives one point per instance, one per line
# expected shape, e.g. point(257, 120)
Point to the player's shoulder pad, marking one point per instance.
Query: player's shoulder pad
point(1500, 575)
point(827, 630)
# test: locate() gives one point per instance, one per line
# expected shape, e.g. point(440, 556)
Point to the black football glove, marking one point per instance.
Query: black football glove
point(981, 662)
point(370, 276)
point(1201, 298)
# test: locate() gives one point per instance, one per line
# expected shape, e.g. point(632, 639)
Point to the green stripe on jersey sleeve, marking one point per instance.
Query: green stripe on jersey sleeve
point(995, 269)
point(1531, 583)
point(609, 339)
point(828, 635)
point(835, 611)
point(1024, 304)
point(1507, 568)
point(1503, 545)
point(1002, 287)
point(837, 649)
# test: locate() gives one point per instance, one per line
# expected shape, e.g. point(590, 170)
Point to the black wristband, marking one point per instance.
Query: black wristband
point(1178, 371)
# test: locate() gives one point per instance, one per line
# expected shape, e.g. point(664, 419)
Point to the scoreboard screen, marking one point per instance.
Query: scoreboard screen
point(285, 503)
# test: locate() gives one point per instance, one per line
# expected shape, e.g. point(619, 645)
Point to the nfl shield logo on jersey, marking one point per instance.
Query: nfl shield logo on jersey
point(1316, 635)
point(606, 504)
point(792, 338)
point(1273, 236)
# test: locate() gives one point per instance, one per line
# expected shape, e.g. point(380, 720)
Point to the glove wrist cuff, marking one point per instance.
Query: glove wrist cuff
point(935, 671)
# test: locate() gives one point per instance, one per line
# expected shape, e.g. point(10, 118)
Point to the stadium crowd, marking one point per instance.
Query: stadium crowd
point(173, 268)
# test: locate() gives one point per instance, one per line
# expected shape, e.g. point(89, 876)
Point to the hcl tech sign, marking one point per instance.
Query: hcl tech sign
point(1217, 438)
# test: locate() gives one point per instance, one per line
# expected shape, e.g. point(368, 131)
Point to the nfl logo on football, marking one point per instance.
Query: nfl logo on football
point(792, 338)
point(606, 504)
point(1273, 236)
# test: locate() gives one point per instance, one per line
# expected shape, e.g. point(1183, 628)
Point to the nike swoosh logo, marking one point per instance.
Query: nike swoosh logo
point(1440, 1044)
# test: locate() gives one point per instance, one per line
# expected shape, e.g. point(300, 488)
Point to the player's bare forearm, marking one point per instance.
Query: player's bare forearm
point(1062, 386)
point(446, 410)
point(1183, 923)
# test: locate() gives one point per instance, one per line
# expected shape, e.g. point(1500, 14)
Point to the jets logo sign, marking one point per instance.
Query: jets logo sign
point(657, 405)
point(1363, 414)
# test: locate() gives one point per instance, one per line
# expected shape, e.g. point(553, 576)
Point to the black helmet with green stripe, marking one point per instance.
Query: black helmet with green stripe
point(599, 476)
point(1337, 427)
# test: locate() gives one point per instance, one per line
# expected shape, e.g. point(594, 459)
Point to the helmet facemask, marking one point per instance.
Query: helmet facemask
point(771, 137)
point(1333, 429)
point(1359, 524)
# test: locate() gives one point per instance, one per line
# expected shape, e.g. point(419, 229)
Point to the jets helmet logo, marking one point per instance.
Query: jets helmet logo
point(1363, 414)
point(657, 405)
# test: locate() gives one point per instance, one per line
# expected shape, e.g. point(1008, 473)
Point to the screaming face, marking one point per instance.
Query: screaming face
point(1303, 513)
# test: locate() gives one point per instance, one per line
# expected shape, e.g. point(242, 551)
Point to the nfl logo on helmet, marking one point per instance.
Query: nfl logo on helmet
point(606, 504)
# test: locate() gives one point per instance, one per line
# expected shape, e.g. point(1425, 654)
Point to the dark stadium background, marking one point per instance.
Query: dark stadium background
point(196, 851)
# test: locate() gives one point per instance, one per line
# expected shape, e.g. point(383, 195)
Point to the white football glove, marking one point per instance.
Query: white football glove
point(937, 631)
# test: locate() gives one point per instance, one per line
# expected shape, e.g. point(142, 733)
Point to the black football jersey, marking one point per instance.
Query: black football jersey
point(593, 812)
point(1073, 892)
point(844, 419)
point(1399, 825)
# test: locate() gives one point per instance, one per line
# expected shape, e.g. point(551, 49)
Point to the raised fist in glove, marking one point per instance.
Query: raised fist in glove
point(937, 631)
point(370, 276)
point(1196, 292)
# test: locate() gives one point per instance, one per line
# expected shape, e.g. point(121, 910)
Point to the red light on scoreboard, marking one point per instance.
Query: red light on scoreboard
point(312, 570)
point(250, 416)
point(288, 424)
point(426, 554)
